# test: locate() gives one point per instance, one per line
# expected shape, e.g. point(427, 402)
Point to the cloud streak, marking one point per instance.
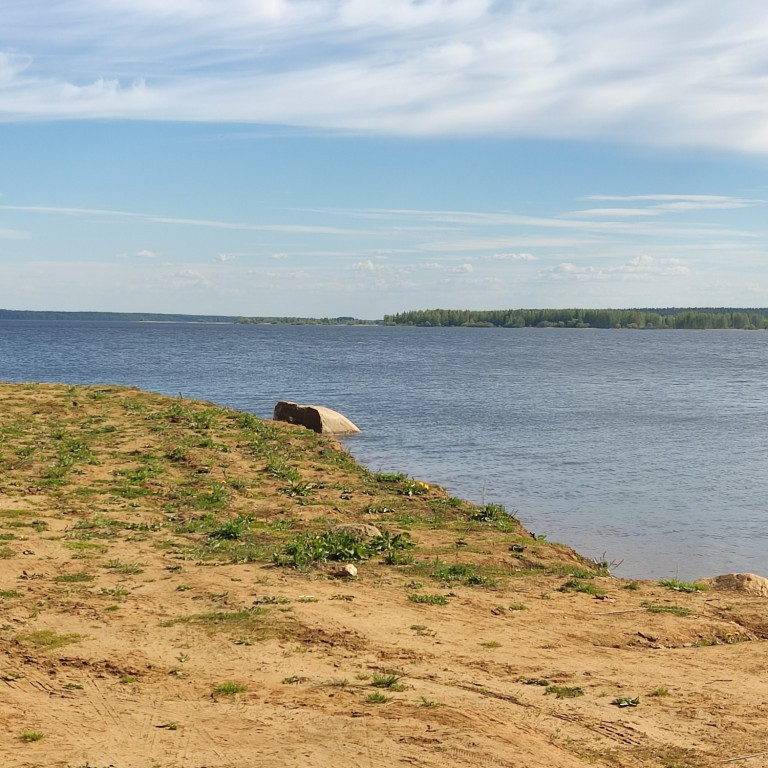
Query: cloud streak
point(684, 72)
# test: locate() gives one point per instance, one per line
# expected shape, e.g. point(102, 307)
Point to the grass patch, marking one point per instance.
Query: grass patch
point(389, 680)
point(47, 639)
point(248, 623)
point(576, 585)
point(675, 610)
point(428, 599)
point(683, 586)
point(74, 578)
point(339, 546)
point(377, 697)
point(228, 689)
point(564, 691)
point(30, 736)
point(127, 569)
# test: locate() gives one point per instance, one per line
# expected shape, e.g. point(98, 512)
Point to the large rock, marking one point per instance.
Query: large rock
point(314, 417)
point(749, 583)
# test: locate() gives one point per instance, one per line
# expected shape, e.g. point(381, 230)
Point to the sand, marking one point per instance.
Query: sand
point(137, 629)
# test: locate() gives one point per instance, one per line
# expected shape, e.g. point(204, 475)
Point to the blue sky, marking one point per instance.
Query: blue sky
point(348, 157)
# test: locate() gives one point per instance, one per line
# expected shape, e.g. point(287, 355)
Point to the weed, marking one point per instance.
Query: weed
point(683, 586)
point(126, 569)
point(117, 594)
point(660, 691)
point(491, 644)
point(374, 510)
point(387, 680)
point(73, 578)
point(300, 489)
point(425, 702)
point(574, 585)
point(6, 553)
point(633, 586)
point(458, 572)
point(428, 599)
point(339, 682)
point(127, 679)
point(232, 529)
point(47, 639)
point(294, 680)
point(490, 513)
point(271, 600)
point(228, 689)
point(676, 610)
point(389, 477)
point(216, 497)
point(626, 701)
point(564, 691)
point(30, 736)
point(413, 488)
point(377, 697)
point(517, 607)
point(338, 546)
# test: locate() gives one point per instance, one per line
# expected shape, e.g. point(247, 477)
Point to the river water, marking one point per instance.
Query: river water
point(647, 447)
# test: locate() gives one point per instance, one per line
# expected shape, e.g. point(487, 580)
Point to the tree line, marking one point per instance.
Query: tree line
point(670, 317)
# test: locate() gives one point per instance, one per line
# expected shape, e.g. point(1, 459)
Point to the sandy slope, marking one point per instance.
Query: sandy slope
point(124, 609)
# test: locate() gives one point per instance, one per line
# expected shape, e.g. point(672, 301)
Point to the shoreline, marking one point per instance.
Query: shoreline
point(173, 587)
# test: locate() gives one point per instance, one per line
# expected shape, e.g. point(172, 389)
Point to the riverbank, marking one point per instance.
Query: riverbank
point(169, 598)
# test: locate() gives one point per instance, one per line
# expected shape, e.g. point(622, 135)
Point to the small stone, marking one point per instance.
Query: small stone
point(349, 571)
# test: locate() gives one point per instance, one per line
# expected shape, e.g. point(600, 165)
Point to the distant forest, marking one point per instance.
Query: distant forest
point(157, 317)
point(692, 318)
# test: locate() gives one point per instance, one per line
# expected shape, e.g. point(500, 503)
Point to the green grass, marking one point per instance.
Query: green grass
point(675, 610)
point(228, 689)
point(464, 573)
point(391, 681)
point(683, 586)
point(74, 578)
point(339, 546)
point(490, 513)
point(660, 691)
point(46, 639)
point(30, 736)
point(377, 697)
point(428, 599)
point(127, 569)
point(575, 585)
point(564, 691)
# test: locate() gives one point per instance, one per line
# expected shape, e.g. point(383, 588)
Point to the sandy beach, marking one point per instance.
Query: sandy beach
point(172, 595)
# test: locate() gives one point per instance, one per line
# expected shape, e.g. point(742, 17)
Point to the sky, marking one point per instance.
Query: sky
point(354, 157)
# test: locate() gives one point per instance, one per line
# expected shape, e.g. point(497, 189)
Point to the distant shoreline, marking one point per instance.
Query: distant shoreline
point(667, 318)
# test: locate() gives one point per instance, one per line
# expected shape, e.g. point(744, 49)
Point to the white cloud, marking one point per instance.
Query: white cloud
point(225, 257)
point(363, 266)
point(690, 72)
point(638, 268)
point(511, 257)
